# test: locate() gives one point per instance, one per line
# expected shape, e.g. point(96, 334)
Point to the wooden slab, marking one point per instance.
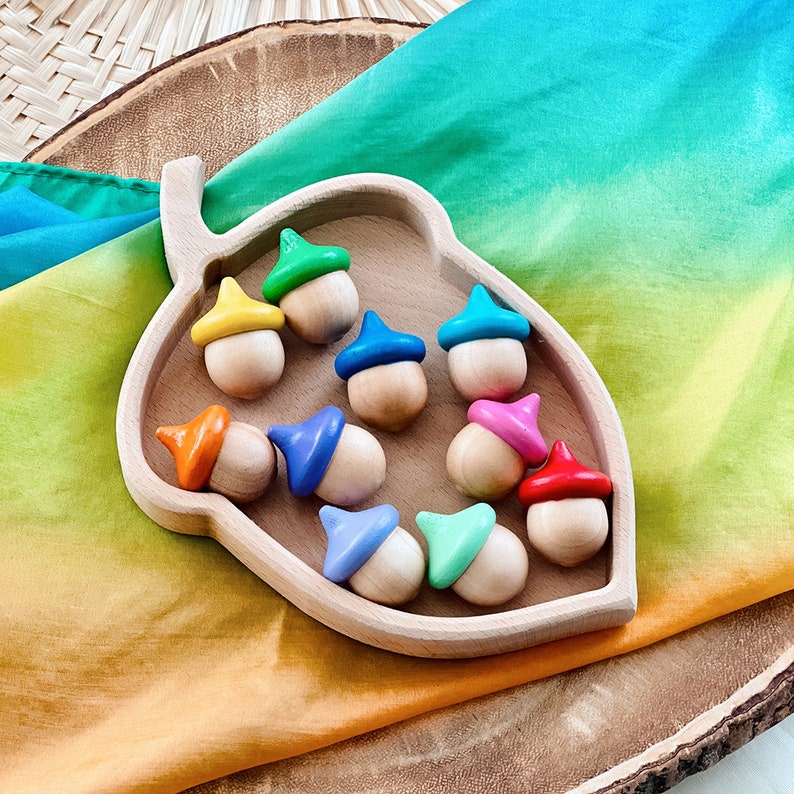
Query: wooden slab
point(721, 683)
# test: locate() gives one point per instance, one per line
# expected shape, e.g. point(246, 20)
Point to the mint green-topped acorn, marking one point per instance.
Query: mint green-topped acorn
point(486, 355)
point(311, 286)
point(482, 561)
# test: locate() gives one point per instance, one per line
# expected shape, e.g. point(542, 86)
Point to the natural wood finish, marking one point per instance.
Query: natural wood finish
point(245, 365)
point(498, 572)
point(389, 396)
point(492, 369)
point(246, 465)
point(356, 471)
point(381, 220)
point(323, 310)
point(393, 574)
point(568, 531)
point(483, 466)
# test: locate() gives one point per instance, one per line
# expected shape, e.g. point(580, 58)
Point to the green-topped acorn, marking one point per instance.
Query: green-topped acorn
point(311, 286)
point(482, 561)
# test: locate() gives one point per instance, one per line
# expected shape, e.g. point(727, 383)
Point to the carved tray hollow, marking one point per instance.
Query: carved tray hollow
point(410, 268)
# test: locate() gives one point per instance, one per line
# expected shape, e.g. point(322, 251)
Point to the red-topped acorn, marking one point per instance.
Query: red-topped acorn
point(567, 520)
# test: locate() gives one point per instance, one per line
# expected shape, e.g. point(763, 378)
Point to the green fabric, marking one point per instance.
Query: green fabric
point(631, 167)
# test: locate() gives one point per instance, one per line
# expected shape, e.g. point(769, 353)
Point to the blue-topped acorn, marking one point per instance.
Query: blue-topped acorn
point(481, 560)
point(486, 355)
point(311, 285)
point(339, 462)
point(386, 384)
point(370, 551)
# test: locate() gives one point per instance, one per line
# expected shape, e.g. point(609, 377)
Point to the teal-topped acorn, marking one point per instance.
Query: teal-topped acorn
point(386, 385)
point(482, 561)
point(486, 355)
point(311, 285)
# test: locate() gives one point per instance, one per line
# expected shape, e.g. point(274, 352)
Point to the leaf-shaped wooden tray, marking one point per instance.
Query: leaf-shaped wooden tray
point(408, 266)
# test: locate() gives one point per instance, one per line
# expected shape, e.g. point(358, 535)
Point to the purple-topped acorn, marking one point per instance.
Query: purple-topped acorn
point(372, 553)
point(386, 385)
point(486, 357)
point(341, 463)
point(490, 456)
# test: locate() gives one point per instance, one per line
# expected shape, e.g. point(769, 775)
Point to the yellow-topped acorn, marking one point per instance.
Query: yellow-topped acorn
point(311, 285)
point(242, 349)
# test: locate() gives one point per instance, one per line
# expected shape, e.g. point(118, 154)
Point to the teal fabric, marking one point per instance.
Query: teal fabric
point(49, 215)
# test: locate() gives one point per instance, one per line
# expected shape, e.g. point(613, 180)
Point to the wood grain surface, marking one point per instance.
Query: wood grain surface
point(636, 723)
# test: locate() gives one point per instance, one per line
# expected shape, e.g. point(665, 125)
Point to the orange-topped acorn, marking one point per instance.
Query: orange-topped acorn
point(211, 451)
point(567, 520)
point(311, 285)
point(242, 349)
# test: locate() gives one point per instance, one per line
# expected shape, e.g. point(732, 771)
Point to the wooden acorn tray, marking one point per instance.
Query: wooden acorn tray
point(408, 266)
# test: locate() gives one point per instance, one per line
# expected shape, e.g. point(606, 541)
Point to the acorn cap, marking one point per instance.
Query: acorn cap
point(453, 541)
point(234, 313)
point(515, 423)
point(482, 319)
point(299, 261)
point(377, 344)
point(308, 447)
point(354, 537)
point(563, 477)
point(195, 446)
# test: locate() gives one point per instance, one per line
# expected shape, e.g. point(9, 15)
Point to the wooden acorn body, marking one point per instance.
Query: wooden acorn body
point(386, 384)
point(341, 463)
point(567, 520)
point(243, 352)
point(489, 457)
point(234, 459)
point(379, 559)
point(482, 561)
point(486, 356)
point(311, 285)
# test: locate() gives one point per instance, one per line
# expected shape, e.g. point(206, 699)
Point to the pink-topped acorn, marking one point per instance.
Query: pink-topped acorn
point(486, 355)
point(213, 452)
point(489, 457)
point(239, 336)
point(386, 385)
point(370, 551)
point(339, 462)
point(311, 286)
point(481, 560)
point(567, 520)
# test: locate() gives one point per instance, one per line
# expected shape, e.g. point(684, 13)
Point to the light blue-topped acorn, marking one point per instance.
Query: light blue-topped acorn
point(339, 462)
point(486, 357)
point(311, 285)
point(372, 553)
point(482, 561)
point(386, 385)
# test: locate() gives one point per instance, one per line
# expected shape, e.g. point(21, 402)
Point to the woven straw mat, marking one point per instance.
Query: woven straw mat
point(59, 57)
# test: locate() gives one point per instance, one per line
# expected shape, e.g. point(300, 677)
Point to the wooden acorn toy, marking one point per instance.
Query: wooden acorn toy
point(372, 553)
point(482, 561)
point(211, 451)
point(386, 385)
point(311, 285)
point(486, 356)
point(339, 462)
point(567, 519)
point(242, 349)
point(489, 457)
